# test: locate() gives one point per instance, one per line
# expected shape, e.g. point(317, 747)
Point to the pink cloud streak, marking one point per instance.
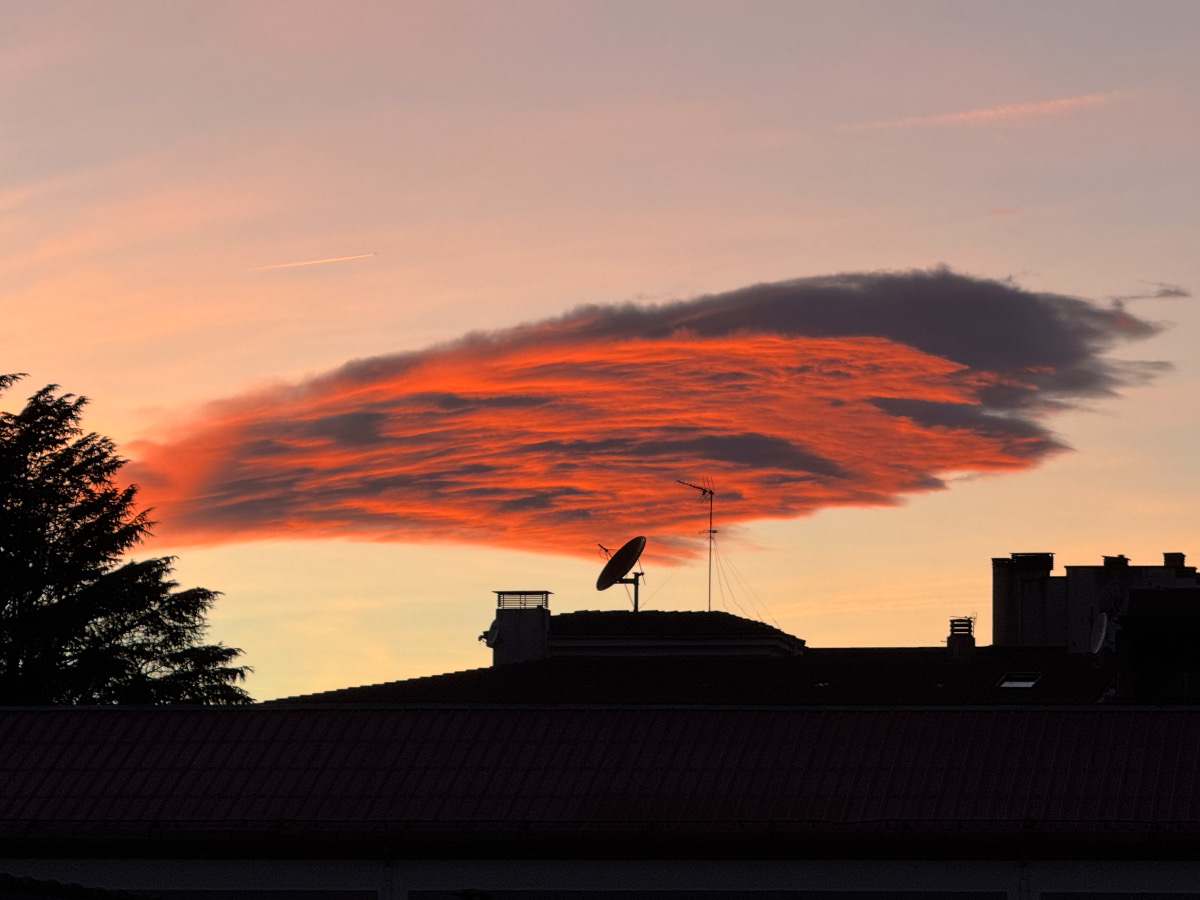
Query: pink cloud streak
point(989, 115)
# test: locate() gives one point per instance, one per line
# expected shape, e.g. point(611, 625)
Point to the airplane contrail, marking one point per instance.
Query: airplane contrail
point(992, 114)
point(312, 262)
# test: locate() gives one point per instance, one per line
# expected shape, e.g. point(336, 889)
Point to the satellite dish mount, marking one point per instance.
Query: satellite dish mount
point(616, 570)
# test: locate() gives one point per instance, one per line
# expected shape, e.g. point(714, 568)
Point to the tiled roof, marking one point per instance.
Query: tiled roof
point(920, 676)
point(154, 773)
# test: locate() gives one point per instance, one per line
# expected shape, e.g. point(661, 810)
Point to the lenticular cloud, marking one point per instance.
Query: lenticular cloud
point(851, 389)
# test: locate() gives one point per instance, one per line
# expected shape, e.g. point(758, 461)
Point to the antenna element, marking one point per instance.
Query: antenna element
point(710, 494)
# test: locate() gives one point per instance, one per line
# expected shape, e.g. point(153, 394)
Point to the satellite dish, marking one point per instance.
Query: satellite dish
point(1099, 631)
point(621, 562)
point(618, 567)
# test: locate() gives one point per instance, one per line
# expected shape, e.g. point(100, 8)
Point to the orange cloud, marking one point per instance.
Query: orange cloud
point(791, 397)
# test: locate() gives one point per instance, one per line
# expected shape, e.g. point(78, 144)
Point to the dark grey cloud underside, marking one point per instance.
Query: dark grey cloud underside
point(745, 449)
point(980, 323)
point(931, 414)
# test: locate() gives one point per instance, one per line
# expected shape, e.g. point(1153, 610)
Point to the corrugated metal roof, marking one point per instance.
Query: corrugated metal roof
point(996, 769)
point(38, 889)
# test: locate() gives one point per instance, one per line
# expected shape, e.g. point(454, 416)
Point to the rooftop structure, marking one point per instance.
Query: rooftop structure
point(1032, 608)
point(526, 635)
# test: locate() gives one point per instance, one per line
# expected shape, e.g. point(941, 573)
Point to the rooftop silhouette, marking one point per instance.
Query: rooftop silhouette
point(1113, 633)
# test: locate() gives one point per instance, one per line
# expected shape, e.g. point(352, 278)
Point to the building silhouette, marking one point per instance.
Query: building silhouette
point(625, 755)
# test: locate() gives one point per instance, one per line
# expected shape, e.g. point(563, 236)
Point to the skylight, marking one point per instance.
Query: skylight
point(1020, 679)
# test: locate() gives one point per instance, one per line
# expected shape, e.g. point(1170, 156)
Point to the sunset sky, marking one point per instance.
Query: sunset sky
point(392, 305)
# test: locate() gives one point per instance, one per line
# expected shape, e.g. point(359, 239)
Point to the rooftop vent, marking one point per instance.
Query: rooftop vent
point(961, 643)
point(522, 599)
point(521, 628)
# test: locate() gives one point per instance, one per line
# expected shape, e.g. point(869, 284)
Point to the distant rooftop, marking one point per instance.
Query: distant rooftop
point(862, 676)
point(655, 623)
point(1122, 634)
point(657, 633)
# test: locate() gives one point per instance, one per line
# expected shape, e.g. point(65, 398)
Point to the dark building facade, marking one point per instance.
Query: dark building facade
point(1078, 610)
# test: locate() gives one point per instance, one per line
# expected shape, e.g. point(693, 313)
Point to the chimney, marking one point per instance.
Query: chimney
point(1020, 588)
point(1174, 560)
point(521, 628)
point(960, 645)
point(1120, 561)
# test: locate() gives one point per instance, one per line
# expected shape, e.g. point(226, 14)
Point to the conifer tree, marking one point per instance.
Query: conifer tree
point(79, 623)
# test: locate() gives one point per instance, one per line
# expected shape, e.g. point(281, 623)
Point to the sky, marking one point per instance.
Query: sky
point(392, 305)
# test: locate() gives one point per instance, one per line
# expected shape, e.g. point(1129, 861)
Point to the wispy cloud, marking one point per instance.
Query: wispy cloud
point(1161, 291)
point(312, 262)
point(990, 115)
point(795, 396)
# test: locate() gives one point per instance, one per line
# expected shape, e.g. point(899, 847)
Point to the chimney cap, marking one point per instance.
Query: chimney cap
point(960, 645)
point(522, 599)
point(962, 625)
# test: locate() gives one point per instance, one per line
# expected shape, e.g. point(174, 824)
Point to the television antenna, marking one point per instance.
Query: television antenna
point(709, 493)
point(618, 566)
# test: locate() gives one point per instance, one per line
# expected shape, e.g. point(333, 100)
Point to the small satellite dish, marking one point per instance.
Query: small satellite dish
point(621, 562)
point(1099, 631)
point(618, 567)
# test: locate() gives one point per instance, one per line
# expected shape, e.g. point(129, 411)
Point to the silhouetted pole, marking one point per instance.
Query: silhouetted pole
point(710, 494)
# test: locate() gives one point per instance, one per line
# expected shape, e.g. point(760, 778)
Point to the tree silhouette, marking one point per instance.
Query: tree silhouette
point(78, 624)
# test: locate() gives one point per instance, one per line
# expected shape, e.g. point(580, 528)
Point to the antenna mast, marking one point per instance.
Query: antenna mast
point(706, 492)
